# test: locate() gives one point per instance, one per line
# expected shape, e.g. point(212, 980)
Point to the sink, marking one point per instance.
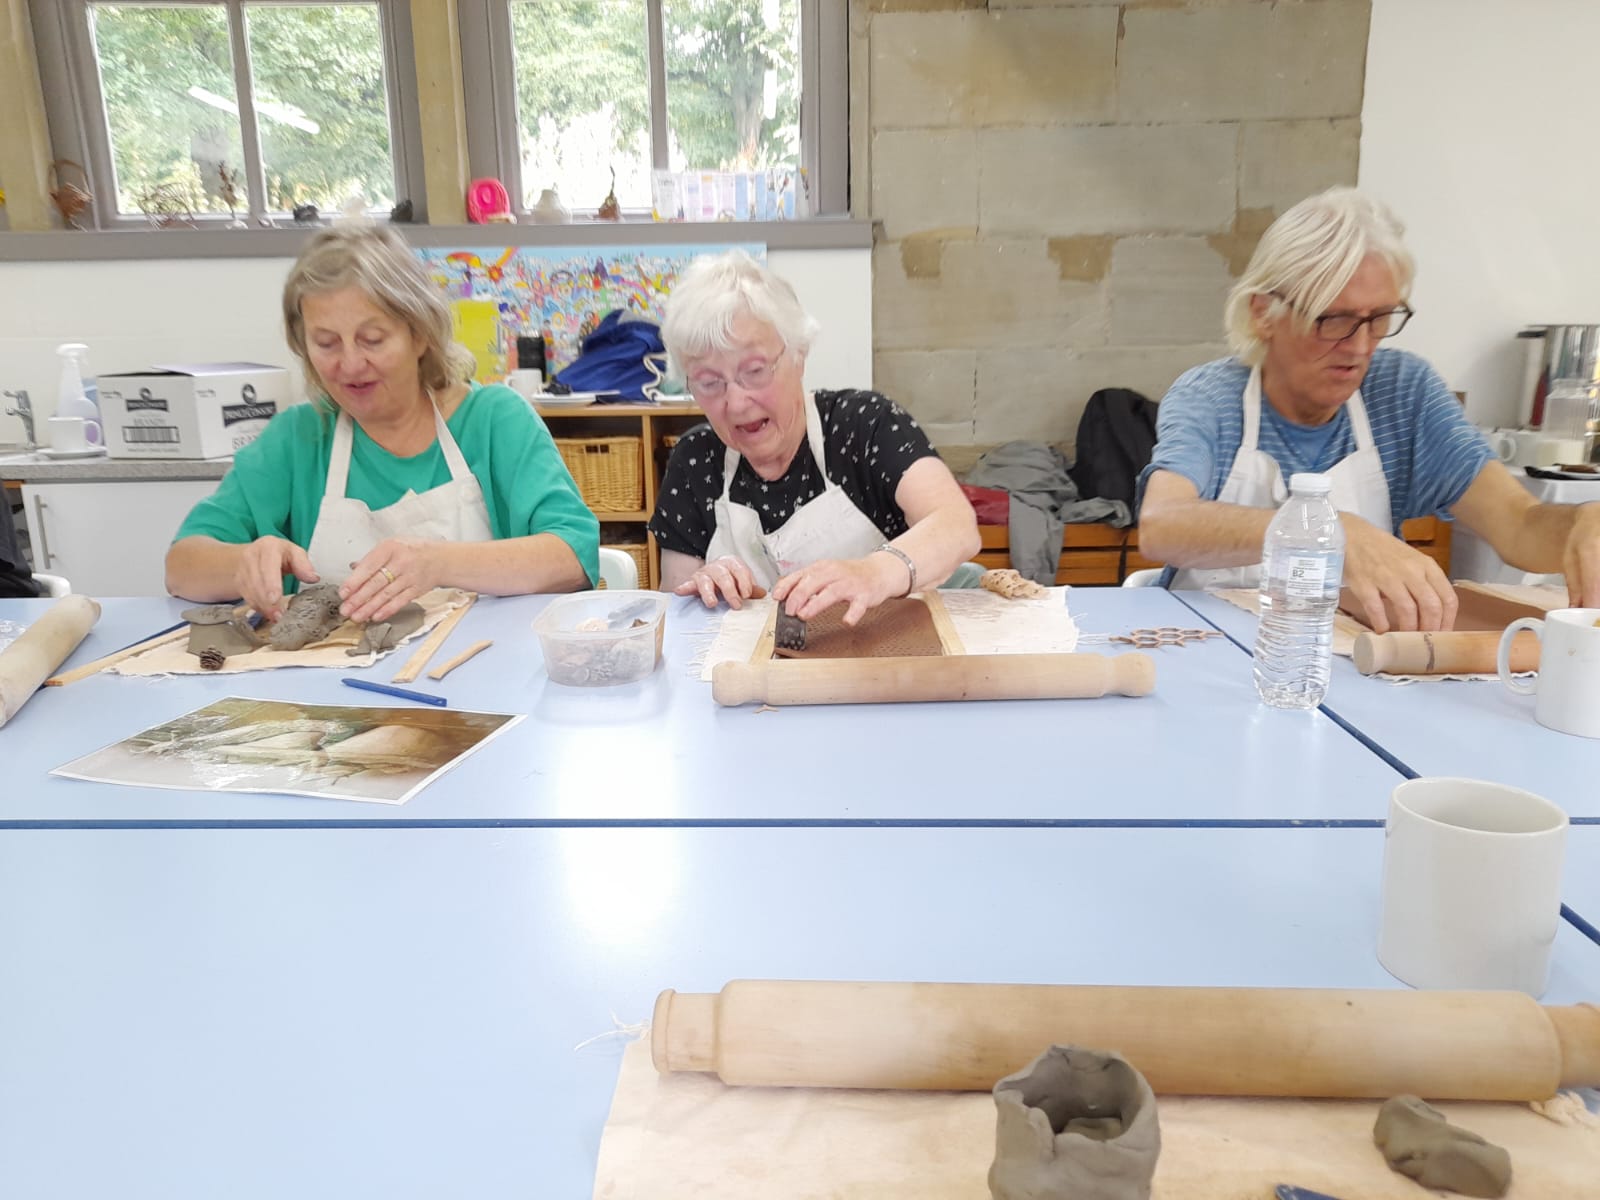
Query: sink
point(20, 457)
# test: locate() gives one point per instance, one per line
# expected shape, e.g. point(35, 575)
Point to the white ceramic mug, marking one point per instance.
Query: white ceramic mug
point(1471, 885)
point(527, 382)
point(73, 434)
point(1568, 686)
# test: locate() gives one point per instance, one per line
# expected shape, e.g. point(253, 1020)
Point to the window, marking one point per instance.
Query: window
point(577, 92)
point(214, 109)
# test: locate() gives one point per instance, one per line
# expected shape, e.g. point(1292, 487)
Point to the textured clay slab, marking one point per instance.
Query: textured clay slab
point(895, 629)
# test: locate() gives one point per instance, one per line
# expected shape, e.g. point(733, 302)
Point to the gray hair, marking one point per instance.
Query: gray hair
point(1306, 258)
point(377, 260)
point(714, 291)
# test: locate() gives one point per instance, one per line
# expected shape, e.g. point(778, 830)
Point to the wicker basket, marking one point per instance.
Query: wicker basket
point(609, 471)
point(640, 553)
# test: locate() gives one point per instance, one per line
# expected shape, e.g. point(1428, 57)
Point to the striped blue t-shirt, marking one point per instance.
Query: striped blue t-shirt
point(1431, 453)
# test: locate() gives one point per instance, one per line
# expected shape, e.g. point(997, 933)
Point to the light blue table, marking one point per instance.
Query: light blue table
point(1202, 747)
point(393, 1012)
point(1479, 729)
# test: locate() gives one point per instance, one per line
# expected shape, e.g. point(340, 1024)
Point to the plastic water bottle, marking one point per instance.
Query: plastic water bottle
point(1302, 561)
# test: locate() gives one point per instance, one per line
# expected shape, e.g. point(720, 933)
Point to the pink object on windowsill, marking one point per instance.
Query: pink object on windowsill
point(487, 201)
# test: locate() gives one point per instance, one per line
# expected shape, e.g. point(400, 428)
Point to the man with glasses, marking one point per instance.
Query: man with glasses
point(1308, 389)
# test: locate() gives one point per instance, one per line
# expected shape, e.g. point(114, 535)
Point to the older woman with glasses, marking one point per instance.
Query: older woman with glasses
point(1308, 389)
point(821, 498)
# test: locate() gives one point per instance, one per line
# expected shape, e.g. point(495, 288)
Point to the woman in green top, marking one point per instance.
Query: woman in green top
point(401, 476)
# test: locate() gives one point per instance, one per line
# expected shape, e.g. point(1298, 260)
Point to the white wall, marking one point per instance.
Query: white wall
point(1480, 128)
point(133, 314)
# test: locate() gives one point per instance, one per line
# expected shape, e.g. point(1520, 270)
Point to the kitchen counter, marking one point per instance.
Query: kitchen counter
point(35, 468)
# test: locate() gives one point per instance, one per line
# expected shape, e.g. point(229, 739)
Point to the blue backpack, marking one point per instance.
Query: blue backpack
point(612, 359)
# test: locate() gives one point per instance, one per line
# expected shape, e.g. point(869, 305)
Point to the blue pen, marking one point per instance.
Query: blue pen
point(388, 689)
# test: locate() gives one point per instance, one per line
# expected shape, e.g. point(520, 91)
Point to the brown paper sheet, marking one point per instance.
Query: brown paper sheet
point(689, 1137)
point(175, 659)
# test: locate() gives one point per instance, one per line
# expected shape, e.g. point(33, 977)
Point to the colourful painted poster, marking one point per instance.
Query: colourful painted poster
point(563, 291)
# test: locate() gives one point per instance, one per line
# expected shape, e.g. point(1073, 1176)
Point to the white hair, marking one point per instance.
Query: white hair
point(1306, 258)
point(714, 291)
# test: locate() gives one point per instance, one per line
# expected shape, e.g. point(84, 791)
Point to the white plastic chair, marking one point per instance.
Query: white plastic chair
point(1144, 577)
point(52, 585)
point(618, 571)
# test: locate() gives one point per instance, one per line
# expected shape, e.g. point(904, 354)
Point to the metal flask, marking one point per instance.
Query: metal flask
point(1556, 352)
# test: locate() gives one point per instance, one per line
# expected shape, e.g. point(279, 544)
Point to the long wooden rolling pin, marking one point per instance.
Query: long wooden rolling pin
point(945, 677)
point(42, 647)
point(1454, 653)
point(1186, 1041)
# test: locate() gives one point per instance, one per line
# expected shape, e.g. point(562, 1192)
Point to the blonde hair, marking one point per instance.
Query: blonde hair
point(714, 291)
point(377, 260)
point(1306, 258)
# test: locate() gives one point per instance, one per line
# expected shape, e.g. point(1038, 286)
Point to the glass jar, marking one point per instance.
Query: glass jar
point(1566, 409)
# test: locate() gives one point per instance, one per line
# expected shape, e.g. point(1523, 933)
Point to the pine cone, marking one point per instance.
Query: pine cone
point(211, 659)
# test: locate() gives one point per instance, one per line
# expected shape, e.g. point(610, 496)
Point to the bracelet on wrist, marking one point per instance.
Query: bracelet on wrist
point(911, 567)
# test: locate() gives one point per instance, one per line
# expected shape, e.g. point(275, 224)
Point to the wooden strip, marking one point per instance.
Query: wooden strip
point(111, 660)
point(768, 638)
point(942, 624)
point(430, 647)
point(475, 648)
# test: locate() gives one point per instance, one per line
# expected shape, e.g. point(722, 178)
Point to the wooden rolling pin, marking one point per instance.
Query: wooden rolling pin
point(1455, 653)
point(947, 677)
point(42, 647)
point(1186, 1041)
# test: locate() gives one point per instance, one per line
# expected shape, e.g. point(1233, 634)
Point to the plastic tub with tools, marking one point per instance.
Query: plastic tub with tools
point(600, 638)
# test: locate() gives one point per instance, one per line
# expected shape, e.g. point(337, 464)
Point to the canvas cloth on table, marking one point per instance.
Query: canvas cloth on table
point(174, 657)
point(690, 1137)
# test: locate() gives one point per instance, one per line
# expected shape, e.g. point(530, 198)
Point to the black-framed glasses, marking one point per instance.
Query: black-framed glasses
point(1339, 327)
point(751, 378)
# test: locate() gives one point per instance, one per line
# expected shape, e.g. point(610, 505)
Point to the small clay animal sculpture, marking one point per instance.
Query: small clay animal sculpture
point(312, 615)
point(1075, 1124)
point(1420, 1144)
point(217, 631)
point(378, 636)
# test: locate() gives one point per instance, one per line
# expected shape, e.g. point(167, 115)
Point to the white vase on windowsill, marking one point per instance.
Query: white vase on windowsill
point(549, 210)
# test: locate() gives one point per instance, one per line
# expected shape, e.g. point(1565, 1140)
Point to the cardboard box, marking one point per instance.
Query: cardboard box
point(190, 410)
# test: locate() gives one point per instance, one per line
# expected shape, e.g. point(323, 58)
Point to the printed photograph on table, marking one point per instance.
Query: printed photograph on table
point(333, 751)
point(562, 292)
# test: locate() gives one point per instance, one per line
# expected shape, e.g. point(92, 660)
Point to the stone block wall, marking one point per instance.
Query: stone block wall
point(1064, 191)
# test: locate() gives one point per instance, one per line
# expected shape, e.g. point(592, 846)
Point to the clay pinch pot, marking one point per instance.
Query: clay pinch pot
point(1075, 1124)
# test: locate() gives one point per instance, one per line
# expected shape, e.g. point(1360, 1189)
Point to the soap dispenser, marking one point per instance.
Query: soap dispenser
point(72, 400)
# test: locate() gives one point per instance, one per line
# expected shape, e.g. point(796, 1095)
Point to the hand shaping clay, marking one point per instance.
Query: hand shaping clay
point(1419, 1143)
point(312, 615)
point(1075, 1124)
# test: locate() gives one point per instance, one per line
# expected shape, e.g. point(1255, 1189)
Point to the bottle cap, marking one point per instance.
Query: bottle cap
point(1308, 484)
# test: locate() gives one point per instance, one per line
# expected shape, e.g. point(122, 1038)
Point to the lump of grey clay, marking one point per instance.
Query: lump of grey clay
point(311, 616)
point(379, 636)
point(1419, 1143)
point(1075, 1124)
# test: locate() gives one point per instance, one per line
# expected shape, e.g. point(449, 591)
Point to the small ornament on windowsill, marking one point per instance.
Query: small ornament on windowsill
point(306, 214)
point(611, 207)
point(402, 213)
point(167, 206)
point(228, 189)
point(69, 199)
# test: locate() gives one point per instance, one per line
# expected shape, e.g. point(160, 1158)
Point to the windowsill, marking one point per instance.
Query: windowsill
point(817, 233)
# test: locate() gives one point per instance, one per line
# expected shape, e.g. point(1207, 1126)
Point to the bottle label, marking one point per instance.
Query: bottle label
point(1306, 577)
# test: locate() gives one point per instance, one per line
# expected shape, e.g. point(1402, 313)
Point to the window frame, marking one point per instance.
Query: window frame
point(492, 151)
point(80, 132)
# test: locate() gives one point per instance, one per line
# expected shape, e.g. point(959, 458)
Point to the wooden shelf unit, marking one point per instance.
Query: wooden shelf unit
point(651, 424)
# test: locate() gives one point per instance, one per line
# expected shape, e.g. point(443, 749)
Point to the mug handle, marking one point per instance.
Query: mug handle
point(1504, 445)
point(1502, 661)
point(92, 433)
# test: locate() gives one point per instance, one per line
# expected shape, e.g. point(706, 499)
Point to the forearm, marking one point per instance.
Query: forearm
point(541, 562)
point(203, 569)
point(1540, 539)
point(939, 543)
point(1203, 533)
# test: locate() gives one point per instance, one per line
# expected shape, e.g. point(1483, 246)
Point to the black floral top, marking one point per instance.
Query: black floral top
point(869, 441)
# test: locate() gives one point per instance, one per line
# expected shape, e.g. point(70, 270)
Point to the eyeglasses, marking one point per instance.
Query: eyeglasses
point(750, 379)
point(1339, 327)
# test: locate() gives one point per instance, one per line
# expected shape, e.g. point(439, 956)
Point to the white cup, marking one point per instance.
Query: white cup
point(70, 434)
point(1568, 686)
point(526, 382)
point(1471, 885)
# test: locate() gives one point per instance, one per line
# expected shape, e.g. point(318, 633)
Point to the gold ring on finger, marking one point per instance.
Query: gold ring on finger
point(387, 574)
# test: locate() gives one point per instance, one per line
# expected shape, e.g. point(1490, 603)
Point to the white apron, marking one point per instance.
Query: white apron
point(1358, 485)
point(830, 526)
point(347, 529)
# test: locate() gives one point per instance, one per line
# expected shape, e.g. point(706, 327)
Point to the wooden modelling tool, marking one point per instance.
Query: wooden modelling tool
point(431, 644)
point(111, 660)
point(41, 648)
point(469, 652)
point(947, 677)
point(1453, 653)
point(1186, 1041)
